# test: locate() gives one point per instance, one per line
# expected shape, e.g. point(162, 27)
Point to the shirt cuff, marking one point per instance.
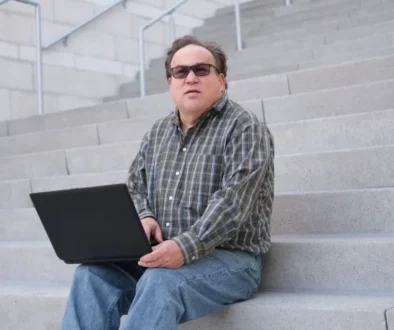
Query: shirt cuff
point(146, 214)
point(191, 247)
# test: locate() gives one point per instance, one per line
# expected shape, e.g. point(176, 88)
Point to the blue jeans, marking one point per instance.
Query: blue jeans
point(161, 298)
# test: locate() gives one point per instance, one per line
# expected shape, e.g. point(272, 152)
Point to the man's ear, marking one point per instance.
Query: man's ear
point(222, 81)
point(169, 81)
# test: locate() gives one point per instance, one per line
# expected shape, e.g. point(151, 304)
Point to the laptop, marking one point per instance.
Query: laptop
point(92, 225)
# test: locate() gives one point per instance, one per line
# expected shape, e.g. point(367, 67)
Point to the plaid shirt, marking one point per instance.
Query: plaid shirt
point(213, 187)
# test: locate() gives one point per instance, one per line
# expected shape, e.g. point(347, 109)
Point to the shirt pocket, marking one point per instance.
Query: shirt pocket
point(204, 180)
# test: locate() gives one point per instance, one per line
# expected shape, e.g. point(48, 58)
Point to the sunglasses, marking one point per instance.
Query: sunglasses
point(200, 70)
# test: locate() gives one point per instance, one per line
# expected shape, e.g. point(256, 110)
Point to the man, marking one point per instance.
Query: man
point(202, 184)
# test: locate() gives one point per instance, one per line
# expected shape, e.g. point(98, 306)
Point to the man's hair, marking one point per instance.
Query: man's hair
point(214, 48)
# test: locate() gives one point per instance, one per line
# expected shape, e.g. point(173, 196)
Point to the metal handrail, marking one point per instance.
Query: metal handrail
point(64, 37)
point(170, 12)
point(40, 103)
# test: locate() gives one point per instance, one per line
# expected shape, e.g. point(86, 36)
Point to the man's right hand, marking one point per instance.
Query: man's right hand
point(152, 229)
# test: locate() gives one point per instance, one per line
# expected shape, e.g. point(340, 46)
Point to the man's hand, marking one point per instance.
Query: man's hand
point(165, 255)
point(152, 229)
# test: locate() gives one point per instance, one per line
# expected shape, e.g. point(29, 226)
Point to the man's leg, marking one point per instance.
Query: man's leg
point(99, 295)
point(166, 297)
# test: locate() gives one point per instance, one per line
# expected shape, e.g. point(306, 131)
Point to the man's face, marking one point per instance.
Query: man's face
point(195, 93)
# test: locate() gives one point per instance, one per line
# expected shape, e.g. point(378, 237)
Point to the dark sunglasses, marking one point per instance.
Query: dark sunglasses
point(200, 70)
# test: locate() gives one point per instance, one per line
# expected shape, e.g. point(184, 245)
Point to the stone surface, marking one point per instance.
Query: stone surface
point(340, 132)
point(49, 140)
point(345, 169)
point(342, 100)
point(111, 157)
point(21, 224)
point(33, 165)
point(95, 114)
point(334, 212)
point(15, 193)
point(75, 181)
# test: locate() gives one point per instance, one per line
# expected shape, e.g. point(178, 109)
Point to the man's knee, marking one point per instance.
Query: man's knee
point(162, 281)
point(86, 272)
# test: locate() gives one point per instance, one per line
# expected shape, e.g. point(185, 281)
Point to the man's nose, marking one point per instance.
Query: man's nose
point(191, 77)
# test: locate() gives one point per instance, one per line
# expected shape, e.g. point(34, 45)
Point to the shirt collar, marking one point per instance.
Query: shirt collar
point(218, 106)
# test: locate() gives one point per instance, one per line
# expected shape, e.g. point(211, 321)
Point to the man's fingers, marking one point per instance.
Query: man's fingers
point(151, 257)
point(158, 235)
point(154, 248)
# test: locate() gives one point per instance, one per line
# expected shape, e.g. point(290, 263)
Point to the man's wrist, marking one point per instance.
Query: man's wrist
point(190, 245)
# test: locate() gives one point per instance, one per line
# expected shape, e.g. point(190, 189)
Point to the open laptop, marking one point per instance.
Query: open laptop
point(90, 225)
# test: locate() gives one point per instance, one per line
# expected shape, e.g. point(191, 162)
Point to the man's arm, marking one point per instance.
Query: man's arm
point(137, 183)
point(246, 157)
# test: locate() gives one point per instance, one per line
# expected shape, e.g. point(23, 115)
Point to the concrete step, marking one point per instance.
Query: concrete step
point(360, 31)
point(246, 7)
point(348, 263)
point(20, 225)
point(331, 102)
point(49, 140)
point(76, 181)
point(33, 165)
point(341, 132)
point(344, 169)
point(346, 58)
point(105, 158)
point(327, 27)
point(34, 305)
point(15, 193)
point(332, 212)
point(335, 170)
point(81, 116)
point(276, 310)
point(328, 23)
point(361, 44)
point(359, 71)
point(3, 129)
point(347, 131)
point(295, 262)
point(272, 64)
point(32, 261)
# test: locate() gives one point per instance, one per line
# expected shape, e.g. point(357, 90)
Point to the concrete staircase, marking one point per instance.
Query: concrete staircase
point(332, 261)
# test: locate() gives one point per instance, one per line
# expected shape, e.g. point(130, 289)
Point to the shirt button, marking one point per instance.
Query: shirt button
point(184, 149)
point(167, 224)
point(171, 198)
point(177, 173)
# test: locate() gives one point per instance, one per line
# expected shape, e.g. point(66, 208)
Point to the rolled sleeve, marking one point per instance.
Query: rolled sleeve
point(137, 182)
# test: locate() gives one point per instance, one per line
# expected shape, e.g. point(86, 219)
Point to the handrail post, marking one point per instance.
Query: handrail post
point(39, 60)
point(142, 62)
point(288, 3)
point(238, 24)
point(172, 32)
point(37, 6)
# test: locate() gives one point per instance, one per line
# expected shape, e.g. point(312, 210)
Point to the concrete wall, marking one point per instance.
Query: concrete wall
point(97, 59)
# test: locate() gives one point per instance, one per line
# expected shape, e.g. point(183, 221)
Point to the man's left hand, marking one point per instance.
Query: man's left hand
point(165, 255)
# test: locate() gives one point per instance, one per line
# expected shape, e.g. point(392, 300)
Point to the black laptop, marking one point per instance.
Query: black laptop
point(90, 225)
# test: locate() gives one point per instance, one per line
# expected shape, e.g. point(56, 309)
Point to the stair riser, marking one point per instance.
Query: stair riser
point(340, 101)
point(360, 265)
point(345, 265)
point(318, 213)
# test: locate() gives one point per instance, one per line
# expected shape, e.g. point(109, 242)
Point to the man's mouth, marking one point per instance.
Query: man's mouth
point(192, 91)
